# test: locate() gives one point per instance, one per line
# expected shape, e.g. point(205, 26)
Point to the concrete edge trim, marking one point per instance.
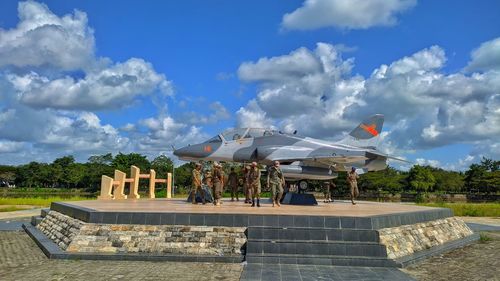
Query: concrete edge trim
point(446, 247)
point(52, 251)
point(374, 222)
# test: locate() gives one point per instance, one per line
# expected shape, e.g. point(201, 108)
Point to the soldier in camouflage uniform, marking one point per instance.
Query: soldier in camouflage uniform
point(218, 182)
point(276, 180)
point(254, 183)
point(232, 181)
point(196, 184)
point(246, 186)
point(352, 178)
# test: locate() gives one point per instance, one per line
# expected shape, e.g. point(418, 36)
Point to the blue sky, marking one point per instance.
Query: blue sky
point(204, 66)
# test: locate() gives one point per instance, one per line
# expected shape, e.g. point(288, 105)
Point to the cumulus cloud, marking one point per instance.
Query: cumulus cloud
point(424, 107)
point(486, 57)
point(115, 86)
point(10, 146)
point(345, 14)
point(43, 39)
point(219, 113)
point(51, 82)
point(164, 131)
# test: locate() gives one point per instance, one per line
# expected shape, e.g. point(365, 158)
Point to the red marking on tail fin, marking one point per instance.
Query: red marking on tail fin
point(370, 129)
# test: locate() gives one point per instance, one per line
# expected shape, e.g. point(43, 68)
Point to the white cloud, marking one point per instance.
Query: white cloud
point(424, 107)
point(10, 146)
point(164, 131)
point(51, 81)
point(43, 39)
point(252, 116)
point(428, 162)
point(219, 113)
point(486, 57)
point(110, 87)
point(345, 14)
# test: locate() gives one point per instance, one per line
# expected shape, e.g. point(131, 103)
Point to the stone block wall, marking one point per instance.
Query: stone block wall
point(407, 239)
point(60, 228)
point(74, 235)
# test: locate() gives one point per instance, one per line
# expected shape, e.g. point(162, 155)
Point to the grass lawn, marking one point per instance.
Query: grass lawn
point(470, 209)
point(37, 201)
point(13, 208)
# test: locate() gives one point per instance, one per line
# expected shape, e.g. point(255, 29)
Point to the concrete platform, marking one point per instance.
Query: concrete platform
point(340, 214)
point(327, 234)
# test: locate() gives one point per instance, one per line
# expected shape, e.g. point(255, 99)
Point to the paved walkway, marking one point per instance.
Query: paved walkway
point(20, 214)
point(21, 259)
point(315, 272)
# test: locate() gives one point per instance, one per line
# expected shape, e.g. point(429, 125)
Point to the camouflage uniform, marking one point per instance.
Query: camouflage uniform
point(207, 178)
point(196, 186)
point(329, 186)
point(352, 178)
point(246, 185)
point(254, 184)
point(275, 180)
point(232, 181)
point(218, 181)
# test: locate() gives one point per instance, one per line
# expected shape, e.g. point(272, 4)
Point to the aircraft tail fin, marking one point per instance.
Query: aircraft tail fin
point(367, 132)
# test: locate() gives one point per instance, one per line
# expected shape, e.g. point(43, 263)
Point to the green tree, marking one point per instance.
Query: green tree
point(162, 165)
point(123, 162)
point(420, 178)
point(389, 180)
point(104, 159)
point(183, 175)
point(76, 173)
point(448, 181)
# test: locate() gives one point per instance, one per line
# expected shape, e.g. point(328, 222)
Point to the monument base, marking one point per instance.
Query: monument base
point(367, 234)
point(304, 199)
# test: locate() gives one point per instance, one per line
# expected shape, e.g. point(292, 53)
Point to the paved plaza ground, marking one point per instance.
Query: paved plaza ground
point(21, 259)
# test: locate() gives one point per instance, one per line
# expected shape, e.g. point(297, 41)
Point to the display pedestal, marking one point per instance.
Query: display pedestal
point(299, 199)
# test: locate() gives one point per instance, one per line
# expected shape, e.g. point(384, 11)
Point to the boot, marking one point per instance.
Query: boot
point(258, 202)
point(253, 203)
point(274, 202)
point(278, 203)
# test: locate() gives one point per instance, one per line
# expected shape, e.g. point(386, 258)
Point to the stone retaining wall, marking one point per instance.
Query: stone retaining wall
point(407, 239)
point(76, 236)
point(60, 228)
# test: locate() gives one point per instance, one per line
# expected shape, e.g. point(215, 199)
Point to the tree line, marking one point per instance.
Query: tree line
point(483, 177)
point(65, 172)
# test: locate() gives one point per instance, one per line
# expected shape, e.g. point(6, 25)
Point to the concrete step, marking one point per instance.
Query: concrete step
point(44, 212)
point(321, 260)
point(313, 234)
point(35, 220)
point(362, 249)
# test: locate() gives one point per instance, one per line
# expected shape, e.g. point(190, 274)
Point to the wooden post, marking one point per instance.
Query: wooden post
point(106, 188)
point(152, 183)
point(119, 188)
point(169, 185)
point(135, 173)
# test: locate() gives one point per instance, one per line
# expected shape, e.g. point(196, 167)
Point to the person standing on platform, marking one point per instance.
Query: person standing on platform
point(196, 185)
point(329, 187)
point(352, 178)
point(232, 181)
point(246, 184)
point(218, 182)
point(276, 180)
point(254, 182)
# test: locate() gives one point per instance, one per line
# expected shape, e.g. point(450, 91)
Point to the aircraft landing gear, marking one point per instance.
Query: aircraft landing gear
point(302, 186)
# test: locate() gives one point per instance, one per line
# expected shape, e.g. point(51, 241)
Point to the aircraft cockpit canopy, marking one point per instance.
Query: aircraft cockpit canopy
point(241, 133)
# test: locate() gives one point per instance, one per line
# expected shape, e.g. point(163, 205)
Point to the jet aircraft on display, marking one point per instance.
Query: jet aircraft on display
point(301, 158)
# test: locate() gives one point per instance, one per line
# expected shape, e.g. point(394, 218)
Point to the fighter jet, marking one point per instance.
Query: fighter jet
point(302, 158)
